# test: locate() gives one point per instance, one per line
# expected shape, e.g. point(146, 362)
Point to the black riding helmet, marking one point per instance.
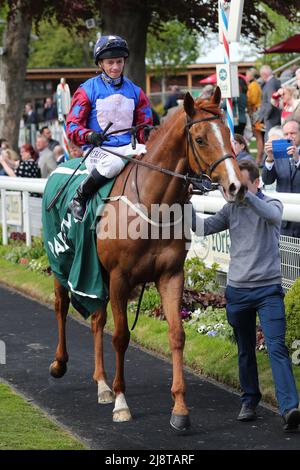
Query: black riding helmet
point(108, 47)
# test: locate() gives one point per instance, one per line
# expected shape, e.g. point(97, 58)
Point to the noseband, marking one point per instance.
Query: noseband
point(198, 159)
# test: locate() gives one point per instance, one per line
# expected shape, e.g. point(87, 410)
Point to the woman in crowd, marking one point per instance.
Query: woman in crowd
point(285, 99)
point(27, 167)
point(241, 148)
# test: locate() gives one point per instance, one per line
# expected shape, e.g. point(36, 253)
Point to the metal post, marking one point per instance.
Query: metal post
point(4, 223)
point(32, 134)
point(26, 217)
point(2, 93)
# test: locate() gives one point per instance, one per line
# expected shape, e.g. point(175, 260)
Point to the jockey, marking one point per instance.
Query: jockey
point(109, 97)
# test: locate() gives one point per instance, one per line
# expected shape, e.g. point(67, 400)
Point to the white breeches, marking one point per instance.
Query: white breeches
point(109, 165)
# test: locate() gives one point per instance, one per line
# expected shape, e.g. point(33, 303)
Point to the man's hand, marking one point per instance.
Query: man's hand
point(269, 151)
point(95, 138)
point(293, 152)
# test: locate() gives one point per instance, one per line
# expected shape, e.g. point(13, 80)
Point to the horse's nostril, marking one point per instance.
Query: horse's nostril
point(232, 189)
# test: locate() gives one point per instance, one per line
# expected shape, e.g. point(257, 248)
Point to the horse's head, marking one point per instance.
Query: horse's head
point(209, 149)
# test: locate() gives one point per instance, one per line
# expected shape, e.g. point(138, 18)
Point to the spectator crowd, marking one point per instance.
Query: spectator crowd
point(267, 109)
point(40, 159)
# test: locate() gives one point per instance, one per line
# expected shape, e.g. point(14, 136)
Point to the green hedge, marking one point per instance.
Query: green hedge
point(292, 307)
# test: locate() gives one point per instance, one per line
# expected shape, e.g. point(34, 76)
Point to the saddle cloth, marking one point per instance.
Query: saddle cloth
point(71, 245)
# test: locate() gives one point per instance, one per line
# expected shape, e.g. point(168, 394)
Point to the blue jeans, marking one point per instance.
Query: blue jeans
point(242, 306)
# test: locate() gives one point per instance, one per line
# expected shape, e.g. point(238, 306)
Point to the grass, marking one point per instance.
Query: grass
point(210, 356)
point(24, 427)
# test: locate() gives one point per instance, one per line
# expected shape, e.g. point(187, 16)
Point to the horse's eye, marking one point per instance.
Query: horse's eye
point(199, 141)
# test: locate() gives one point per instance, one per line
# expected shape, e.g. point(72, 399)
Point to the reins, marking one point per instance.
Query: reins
point(204, 183)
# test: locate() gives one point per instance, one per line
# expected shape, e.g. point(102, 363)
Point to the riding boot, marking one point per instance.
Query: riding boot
point(85, 191)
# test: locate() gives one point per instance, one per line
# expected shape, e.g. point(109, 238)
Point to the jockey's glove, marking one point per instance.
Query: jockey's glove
point(95, 138)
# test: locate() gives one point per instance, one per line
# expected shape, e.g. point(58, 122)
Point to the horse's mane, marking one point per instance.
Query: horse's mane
point(200, 104)
point(162, 128)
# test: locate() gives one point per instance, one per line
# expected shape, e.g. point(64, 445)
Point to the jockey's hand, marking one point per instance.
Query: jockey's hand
point(95, 138)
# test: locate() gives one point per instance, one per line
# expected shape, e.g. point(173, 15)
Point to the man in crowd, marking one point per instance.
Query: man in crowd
point(30, 116)
point(45, 131)
point(50, 112)
point(269, 114)
point(172, 98)
point(285, 171)
point(46, 160)
point(254, 286)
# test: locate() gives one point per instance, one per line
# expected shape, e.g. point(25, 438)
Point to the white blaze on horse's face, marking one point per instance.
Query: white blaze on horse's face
point(232, 186)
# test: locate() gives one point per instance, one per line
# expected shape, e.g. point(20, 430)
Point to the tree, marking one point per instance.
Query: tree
point(171, 48)
point(132, 19)
point(56, 46)
point(276, 35)
point(21, 14)
point(128, 18)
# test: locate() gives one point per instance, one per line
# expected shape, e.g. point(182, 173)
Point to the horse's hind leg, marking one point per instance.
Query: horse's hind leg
point(118, 298)
point(170, 288)
point(59, 367)
point(98, 322)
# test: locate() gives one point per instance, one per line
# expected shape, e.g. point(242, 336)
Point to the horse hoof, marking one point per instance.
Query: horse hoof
point(180, 422)
point(121, 416)
point(58, 369)
point(106, 396)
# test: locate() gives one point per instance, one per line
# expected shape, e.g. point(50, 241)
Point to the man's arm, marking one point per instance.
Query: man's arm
point(271, 211)
point(269, 175)
point(205, 226)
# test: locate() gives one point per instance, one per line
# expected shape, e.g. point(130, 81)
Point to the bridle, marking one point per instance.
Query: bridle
point(202, 182)
point(191, 144)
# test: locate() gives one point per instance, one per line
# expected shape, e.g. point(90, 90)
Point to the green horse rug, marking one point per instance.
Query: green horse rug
point(70, 245)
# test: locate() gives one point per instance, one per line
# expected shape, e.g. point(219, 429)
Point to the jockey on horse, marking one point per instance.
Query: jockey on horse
point(108, 97)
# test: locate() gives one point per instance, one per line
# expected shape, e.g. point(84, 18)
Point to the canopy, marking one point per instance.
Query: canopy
point(291, 44)
point(211, 79)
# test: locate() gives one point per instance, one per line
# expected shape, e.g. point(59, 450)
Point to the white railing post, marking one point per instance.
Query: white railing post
point(4, 223)
point(26, 217)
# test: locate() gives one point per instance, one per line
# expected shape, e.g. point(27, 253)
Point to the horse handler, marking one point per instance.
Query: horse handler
point(109, 97)
point(254, 286)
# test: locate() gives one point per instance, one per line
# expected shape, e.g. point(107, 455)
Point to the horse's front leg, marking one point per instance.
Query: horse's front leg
point(118, 297)
point(98, 322)
point(170, 288)
point(59, 367)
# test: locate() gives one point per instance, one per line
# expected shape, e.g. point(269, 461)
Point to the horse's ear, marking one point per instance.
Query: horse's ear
point(216, 98)
point(189, 105)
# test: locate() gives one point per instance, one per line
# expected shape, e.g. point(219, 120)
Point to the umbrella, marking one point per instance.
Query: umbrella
point(291, 44)
point(211, 79)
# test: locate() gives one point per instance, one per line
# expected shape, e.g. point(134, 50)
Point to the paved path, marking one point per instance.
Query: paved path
point(29, 331)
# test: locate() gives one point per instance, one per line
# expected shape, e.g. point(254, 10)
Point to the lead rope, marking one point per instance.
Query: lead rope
point(138, 307)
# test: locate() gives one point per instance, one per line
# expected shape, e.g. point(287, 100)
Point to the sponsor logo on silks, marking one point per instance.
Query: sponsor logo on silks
point(59, 245)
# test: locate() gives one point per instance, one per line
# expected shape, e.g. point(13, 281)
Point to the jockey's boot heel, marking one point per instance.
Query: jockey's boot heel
point(85, 191)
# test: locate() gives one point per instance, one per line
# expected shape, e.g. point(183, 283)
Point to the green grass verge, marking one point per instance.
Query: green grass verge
point(210, 356)
point(24, 427)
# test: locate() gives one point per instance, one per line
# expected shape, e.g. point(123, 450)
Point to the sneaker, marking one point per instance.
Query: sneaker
point(247, 413)
point(291, 419)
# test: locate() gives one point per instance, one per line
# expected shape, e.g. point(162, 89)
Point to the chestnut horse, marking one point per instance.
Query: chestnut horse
point(194, 139)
